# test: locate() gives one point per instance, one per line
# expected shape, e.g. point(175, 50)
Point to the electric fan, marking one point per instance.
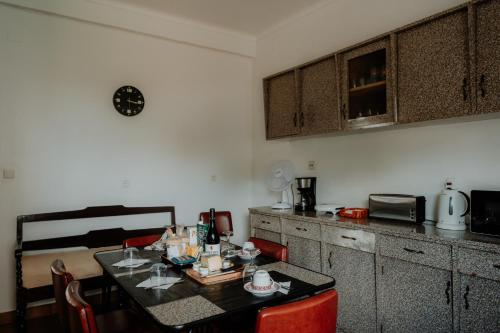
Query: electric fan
point(279, 180)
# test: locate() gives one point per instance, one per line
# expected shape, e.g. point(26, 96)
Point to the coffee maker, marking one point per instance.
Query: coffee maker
point(306, 186)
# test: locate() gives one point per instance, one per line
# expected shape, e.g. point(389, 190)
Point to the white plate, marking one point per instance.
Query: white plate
point(246, 256)
point(262, 293)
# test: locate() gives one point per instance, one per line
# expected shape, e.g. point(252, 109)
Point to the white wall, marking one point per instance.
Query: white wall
point(413, 161)
point(71, 149)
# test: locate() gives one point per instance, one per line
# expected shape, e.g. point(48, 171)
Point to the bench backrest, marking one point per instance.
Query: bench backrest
point(93, 238)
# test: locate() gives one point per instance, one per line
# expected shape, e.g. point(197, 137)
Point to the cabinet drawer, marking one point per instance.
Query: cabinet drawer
point(351, 238)
point(268, 235)
point(302, 229)
point(480, 263)
point(266, 222)
point(420, 252)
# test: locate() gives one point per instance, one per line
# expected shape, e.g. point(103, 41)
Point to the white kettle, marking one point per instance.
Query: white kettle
point(453, 206)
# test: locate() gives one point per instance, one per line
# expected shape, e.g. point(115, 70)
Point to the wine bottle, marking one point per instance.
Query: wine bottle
point(212, 242)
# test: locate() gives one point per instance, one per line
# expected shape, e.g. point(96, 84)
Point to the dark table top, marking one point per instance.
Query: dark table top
point(188, 304)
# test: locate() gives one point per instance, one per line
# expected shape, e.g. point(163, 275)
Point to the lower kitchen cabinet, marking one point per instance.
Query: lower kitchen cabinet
point(304, 252)
point(479, 304)
point(413, 298)
point(354, 273)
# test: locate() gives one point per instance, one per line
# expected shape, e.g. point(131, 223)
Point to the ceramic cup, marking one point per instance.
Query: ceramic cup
point(203, 271)
point(248, 246)
point(226, 263)
point(262, 280)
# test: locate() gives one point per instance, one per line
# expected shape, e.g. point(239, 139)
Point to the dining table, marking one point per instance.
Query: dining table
point(189, 304)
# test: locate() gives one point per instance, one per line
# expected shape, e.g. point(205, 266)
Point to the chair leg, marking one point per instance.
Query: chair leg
point(21, 310)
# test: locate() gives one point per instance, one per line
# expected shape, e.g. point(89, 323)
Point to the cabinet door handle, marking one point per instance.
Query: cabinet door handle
point(464, 88)
point(343, 112)
point(413, 251)
point(301, 229)
point(347, 237)
point(481, 85)
point(466, 299)
point(496, 266)
point(330, 260)
point(302, 119)
point(295, 119)
point(447, 292)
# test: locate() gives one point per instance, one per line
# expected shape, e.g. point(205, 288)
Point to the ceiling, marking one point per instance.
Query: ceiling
point(245, 16)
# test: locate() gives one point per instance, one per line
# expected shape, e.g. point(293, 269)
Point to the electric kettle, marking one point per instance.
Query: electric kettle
point(453, 205)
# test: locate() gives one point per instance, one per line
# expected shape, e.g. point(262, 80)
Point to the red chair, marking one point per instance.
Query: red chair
point(140, 241)
point(60, 280)
point(82, 319)
point(270, 249)
point(316, 314)
point(223, 221)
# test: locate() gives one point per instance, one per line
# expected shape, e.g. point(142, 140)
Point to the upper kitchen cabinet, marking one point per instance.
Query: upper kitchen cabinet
point(487, 50)
point(280, 99)
point(318, 93)
point(366, 85)
point(432, 69)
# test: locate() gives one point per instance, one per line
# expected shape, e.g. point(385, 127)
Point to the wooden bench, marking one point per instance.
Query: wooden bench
point(33, 279)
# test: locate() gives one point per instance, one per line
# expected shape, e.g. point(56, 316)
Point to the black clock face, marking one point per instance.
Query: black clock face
point(128, 101)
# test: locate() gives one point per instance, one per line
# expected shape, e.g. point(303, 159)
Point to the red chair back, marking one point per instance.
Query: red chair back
point(223, 220)
point(140, 241)
point(81, 315)
point(271, 249)
point(316, 314)
point(60, 280)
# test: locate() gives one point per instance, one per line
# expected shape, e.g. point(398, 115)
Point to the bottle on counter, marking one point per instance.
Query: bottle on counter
point(212, 242)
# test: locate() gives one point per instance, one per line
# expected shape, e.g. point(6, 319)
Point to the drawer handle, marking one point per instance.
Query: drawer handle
point(496, 266)
point(265, 222)
point(466, 295)
point(301, 229)
point(447, 292)
point(413, 251)
point(347, 237)
point(481, 86)
point(330, 260)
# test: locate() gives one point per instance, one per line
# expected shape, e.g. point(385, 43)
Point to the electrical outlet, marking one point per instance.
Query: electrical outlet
point(311, 165)
point(213, 178)
point(9, 174)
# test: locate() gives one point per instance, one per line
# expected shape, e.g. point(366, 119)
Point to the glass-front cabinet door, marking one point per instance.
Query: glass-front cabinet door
point(367, 88)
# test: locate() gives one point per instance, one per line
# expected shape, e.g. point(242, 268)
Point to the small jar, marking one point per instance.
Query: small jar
point(203, 271)
point(197, 266)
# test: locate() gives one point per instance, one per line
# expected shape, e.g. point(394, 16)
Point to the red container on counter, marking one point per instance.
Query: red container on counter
point(354, 213)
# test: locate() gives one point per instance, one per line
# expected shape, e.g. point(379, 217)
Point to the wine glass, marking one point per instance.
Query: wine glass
point(229, 250)
point(251, 267)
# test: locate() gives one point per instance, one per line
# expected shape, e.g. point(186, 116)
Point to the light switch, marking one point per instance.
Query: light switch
point(311, 165)
point(9, 173)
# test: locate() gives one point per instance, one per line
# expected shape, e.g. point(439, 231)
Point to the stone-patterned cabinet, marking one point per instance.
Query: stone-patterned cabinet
point(303, 242)
point(432, 76)
point(319, 112)
point(265, 227)
point(281, 105)
point(414, 286)
point(366, 85)
point(479, 291)
point(487, 48)
point(349, 257)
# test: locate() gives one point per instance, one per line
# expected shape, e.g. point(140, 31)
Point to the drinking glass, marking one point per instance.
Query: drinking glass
point(158, 274)
point(130, 254)
point(229, 250)
point(251, 267)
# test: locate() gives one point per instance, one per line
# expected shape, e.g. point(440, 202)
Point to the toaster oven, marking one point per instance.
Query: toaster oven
point(401, 207)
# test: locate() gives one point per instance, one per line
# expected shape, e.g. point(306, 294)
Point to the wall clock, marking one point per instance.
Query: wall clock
point(128, 100)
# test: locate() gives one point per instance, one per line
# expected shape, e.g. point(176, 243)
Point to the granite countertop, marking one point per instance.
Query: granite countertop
point(426, 230)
